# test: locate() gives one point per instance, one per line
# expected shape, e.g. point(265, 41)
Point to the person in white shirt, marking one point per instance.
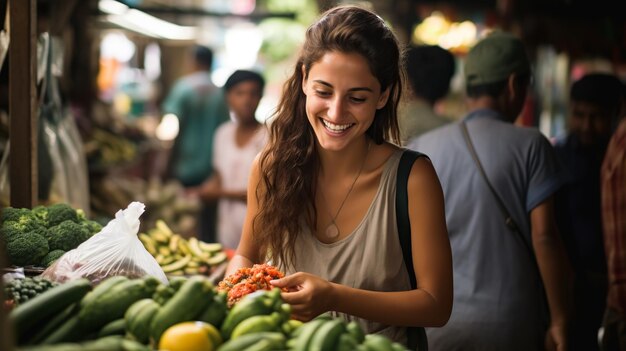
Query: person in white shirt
point(236, 144)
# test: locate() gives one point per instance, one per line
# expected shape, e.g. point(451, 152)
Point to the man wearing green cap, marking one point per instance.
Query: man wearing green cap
point(502, 272)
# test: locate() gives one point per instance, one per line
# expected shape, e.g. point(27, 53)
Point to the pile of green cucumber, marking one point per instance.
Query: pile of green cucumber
point(131, 315)
point(260, 322)
point(73, 312)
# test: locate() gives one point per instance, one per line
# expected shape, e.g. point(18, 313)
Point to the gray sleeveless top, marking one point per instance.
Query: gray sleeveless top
point(370, 258)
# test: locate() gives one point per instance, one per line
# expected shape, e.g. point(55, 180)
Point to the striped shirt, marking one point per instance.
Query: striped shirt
point(614, 217)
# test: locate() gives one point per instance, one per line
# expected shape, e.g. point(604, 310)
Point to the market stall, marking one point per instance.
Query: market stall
point(114, 289)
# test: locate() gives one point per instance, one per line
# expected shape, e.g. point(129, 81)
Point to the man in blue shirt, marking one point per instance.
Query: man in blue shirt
point(200, 108)
point(501, 277)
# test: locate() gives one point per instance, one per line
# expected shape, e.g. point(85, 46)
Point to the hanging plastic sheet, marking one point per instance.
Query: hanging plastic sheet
point(62, 166)
point(69, 167)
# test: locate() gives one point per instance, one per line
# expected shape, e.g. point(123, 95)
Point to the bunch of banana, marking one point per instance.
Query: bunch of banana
point(179, 256)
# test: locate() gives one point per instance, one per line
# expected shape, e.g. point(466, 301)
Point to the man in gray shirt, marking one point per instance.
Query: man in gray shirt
point(429, 70)
point(501, 277)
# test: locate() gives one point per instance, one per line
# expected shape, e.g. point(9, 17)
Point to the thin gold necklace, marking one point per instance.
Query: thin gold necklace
point(332, 230)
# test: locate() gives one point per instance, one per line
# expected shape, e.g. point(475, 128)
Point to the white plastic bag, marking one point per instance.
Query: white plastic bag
point(116, 250)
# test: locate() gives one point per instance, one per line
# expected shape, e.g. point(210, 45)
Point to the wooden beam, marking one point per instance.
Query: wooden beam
point(23, 102)
point(60, 15)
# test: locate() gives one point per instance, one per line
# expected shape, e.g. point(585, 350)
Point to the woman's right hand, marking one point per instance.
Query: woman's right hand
point(308, 295)
point(556, 337)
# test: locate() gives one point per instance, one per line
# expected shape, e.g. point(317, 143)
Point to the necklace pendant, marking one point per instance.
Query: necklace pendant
point(332, 231)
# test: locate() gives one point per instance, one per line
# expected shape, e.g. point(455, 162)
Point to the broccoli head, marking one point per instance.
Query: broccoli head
point(52, 256)
point(12, 214)
point(9, 231)
point(41, 212)
point(92, 226)
point(67, 235)
point(29, 223)
point(58, 213)
point(25, 223)
point(27, 249)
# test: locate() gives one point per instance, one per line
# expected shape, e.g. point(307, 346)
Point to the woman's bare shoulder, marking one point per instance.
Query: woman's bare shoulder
point(423, 177)
point(380, 154)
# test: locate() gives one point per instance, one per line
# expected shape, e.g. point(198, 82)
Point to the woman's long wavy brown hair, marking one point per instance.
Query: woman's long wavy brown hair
point(289, 163)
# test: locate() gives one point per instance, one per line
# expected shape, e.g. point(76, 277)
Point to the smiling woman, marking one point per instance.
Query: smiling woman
point(320, 196)
point(342, 98)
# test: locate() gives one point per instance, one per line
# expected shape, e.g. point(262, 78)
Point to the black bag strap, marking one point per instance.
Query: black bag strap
point(508, 219)
point(416, 335)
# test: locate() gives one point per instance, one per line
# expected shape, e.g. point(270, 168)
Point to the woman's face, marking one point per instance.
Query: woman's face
point(342, 97)
point(243, 99)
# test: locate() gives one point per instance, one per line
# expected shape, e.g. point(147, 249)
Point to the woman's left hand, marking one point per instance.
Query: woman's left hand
point(309, 295)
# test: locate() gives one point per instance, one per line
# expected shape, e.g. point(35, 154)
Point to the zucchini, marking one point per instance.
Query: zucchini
point(107, 343)
point(255, 324)
point(113, 304)
point(356, 331)
point(134, 309)
point(396, 346)
point(327, 336)
point(255, 304)
point(57, 347)
point(138, 323)
point(50, 303)
point(347, 343)
point(307, 333)
point(53, 324)
point(69, 331)
point(215, 313)
point(193, 296)
point(102, 288)
point(377, 342)
point(117, 327)
point(245, 341)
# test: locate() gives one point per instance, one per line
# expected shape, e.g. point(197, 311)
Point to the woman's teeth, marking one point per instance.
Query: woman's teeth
point(336, 127)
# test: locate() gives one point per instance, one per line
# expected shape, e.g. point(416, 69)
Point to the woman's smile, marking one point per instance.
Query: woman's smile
point(336, 128)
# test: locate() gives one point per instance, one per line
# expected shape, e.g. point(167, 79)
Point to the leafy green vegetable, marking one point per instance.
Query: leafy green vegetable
point(59, 213)
point(51, 257)
point(67, 235)
point(27, 248)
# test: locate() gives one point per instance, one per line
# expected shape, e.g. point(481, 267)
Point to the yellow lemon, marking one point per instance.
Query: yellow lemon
point(190, 336)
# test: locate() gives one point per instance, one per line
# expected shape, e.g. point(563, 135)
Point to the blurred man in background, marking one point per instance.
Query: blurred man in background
point(595, 102)
point(200, 108)
point(429, 69)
